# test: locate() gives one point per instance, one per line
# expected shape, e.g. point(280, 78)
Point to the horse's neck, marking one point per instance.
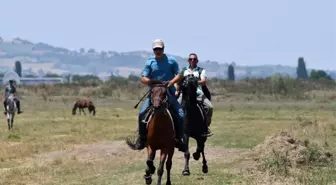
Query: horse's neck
point(75, 106)
point(189, 98)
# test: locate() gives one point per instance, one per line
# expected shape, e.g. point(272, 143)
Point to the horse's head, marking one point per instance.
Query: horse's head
point(189, 87)
point(159, 96)
point(74, 109)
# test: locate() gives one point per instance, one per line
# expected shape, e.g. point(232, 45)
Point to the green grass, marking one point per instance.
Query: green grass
point(51, 146)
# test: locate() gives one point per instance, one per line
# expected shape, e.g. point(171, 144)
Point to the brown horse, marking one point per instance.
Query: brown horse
point(160, 134)
point(81, 104)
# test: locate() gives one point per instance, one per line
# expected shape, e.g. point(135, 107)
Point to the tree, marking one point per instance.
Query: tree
point(52, 75)
point(18, 68)
point(82, 50)
point(301, 70)
point(103, 54)
point(231, 74)
point(319, 74)
point(91, 51)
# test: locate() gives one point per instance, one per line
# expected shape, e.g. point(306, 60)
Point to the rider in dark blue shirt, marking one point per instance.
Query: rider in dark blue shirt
point(11, 89)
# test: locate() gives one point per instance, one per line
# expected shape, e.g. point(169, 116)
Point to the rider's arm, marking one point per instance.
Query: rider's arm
point(14, 90)
point(177, 72)
point(145, 80)
point(177, 87)
point(203, 78)
point(145, 74)
point(176, 79)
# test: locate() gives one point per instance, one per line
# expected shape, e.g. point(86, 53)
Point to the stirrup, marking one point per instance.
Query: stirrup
point(208, 133)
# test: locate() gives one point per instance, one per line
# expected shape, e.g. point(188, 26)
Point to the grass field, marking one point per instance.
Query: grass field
point(50, 146)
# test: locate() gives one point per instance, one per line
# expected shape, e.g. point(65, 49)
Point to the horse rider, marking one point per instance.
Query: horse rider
point(164, 68)
point(200, 74)
point(11, 90)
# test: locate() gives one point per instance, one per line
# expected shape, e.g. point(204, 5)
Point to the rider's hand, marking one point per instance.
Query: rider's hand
point(170, 83)
point(177, 93)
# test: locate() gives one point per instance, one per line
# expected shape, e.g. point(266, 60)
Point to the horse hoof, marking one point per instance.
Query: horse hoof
point(148, 179)
point(168, 183)
point(205, 169)
point(196, 156)
point(185, 172)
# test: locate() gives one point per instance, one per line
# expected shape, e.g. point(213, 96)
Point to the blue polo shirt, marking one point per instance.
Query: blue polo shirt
point(164, 69)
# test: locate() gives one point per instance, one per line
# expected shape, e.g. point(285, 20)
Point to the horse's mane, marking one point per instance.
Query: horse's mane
point(190, 93)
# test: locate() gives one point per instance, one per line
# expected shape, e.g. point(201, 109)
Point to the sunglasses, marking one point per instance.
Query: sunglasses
point(157, 49)
point(192, 59)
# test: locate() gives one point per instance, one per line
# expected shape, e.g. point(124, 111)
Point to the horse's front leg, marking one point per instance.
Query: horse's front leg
point(160, 170)
point(186, 170)
point(200, 148)
point(8, 122)
point(150, 166)
point(12, 121)
point(169, 164)
point(83, 111)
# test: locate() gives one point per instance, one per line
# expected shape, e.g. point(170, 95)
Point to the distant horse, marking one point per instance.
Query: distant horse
point(160, 134)
point(194, 122)
point(11, 109)
point(81, 104)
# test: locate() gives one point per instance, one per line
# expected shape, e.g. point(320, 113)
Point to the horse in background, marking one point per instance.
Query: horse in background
point(11, 109)
point(194, 122)
point(81, 104)
point(160, 134)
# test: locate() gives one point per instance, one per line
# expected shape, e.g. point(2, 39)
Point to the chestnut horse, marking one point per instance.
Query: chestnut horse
point(160, 134)
point(81, 104)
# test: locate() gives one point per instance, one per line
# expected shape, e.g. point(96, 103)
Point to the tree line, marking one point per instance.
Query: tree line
point(301, 73)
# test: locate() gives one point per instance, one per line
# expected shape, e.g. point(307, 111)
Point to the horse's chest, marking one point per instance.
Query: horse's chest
point(189, 72)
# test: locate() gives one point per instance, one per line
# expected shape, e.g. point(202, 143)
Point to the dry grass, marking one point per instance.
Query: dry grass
point(50, 146)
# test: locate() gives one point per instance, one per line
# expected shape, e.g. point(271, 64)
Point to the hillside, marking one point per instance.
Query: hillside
point(41, 58)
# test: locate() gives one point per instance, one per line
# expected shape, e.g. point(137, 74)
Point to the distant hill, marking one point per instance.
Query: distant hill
point(41, 58)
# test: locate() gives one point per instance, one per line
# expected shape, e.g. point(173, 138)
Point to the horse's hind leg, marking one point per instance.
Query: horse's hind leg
point(169, 164)
point(186, 170)
point(163, 158)
point(83, 111)
point(150, 166)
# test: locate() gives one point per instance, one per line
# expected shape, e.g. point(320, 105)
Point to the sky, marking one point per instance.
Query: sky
point(242, 31)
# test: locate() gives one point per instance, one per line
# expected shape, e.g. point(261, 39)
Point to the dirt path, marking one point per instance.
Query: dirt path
point(118, 149)
point(238, 161)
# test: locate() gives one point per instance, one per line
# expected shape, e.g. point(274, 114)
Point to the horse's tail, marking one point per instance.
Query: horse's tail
point(131, 142)
point(92, 107)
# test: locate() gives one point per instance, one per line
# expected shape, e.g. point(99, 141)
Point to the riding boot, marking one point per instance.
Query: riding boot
point(179, 139)
point(208, 132)
point(18, 107)
point(141, 140)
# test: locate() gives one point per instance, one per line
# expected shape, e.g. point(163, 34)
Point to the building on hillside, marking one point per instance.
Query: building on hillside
point(11, 75)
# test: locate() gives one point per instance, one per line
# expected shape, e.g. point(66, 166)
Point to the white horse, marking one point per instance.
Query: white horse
point(11, 109)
